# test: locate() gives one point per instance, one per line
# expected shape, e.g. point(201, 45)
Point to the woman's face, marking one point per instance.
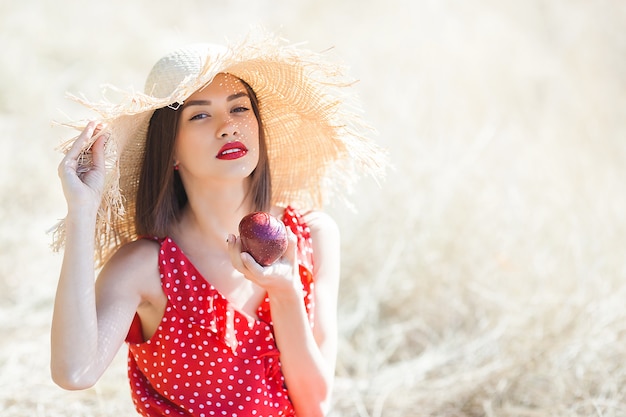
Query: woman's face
point(218, 133)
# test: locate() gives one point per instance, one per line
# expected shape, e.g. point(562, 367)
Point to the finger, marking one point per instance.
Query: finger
point(97, 150)
point(292, 246)
point(251, 265)
point(99, 128)
point(234, 251)
point(70, 162)
point(82, 140)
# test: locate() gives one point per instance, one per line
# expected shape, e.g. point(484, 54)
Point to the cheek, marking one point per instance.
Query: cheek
point(180, 146)
point(252, 159)
point(250, 127)
point(187, 147)
point(255, 139)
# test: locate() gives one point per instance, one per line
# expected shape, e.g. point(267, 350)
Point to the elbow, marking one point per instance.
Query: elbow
point(71, 371)
point(317, 403)
point(71, 380)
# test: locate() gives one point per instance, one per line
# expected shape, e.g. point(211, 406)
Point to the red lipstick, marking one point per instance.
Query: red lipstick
point(232, 150)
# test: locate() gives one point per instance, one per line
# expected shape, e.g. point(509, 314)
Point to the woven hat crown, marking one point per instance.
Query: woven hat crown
point(179, 66)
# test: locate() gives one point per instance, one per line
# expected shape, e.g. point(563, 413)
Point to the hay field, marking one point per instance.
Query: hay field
point(485, 277)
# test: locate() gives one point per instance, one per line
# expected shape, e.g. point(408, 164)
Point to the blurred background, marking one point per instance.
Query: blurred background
point(486, 276)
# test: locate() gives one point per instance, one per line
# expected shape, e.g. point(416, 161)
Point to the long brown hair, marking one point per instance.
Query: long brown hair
point(161, 195)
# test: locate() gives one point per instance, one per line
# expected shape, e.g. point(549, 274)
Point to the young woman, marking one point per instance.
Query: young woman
point(163, 180)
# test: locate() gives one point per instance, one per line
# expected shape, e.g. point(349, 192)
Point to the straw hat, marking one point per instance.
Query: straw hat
point(317, 144)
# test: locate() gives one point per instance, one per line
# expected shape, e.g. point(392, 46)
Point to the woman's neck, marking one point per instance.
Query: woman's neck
point(211, 214)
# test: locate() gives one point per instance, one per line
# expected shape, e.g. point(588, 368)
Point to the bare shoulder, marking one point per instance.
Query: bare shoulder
point(321, 223)
point(322, 226)
point(134, 265)
point(326, 246)
point(138, 254)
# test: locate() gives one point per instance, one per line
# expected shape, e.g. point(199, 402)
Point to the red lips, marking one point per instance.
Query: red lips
point(232, 150)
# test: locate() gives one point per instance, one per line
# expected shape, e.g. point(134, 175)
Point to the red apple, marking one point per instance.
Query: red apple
point(263, 236)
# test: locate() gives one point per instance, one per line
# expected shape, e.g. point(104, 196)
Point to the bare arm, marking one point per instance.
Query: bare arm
point(308, 355)
point(89, 321)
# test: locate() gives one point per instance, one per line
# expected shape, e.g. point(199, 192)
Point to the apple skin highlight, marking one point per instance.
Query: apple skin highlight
point(263, 236)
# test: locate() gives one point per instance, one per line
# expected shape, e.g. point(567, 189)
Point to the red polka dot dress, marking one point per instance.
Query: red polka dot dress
point(206, 358)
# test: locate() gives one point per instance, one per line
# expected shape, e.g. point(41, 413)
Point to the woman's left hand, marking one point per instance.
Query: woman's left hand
point(279, 276)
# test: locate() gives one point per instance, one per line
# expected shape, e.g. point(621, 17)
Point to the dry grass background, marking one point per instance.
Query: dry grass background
point(485, 277)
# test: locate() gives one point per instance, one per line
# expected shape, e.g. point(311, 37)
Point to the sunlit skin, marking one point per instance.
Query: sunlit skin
point(216, 149)
point(218, 116)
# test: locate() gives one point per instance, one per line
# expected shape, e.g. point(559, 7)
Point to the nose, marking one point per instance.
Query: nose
point(228, 129)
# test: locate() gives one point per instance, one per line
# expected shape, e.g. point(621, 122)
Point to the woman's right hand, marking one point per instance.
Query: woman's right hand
point(82, 173)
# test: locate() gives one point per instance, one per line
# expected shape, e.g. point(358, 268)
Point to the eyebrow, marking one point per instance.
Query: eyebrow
point(208, 102)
